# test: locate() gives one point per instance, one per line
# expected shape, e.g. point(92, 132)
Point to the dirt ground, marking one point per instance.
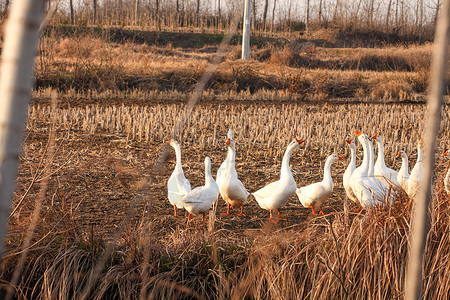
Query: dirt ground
point(100, 182)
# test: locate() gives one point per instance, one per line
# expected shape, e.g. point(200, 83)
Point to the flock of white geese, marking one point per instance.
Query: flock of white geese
point(368, 185)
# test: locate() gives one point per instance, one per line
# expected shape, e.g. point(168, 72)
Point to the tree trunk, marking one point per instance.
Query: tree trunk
point(19, 49)
point(254, 14)
point(273, 14)
point(388, 13)
point(307, 14)
point(198, 7)
point(71, 12)
point(335, 10)
point(95, 11)
point(320, 11)
point(136, 13)
point(438, 6)
point(266, 6)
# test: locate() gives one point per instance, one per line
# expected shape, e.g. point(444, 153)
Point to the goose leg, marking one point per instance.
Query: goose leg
point(228, 211)
point(189, 217)
point(175, 211)
point(279, 215)
point(321, 212)
point(312, 210)
point(203, 217)
point(241, 213)
point(272, 219)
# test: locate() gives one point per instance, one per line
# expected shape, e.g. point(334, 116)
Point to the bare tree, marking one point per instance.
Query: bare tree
point(273, 14)
point(320, 11)
point(335, 10)
point(254, 14)
point(95, 10)
point(307, 13)
point(136, 12)
point(388, 13)
point(266, 6)
point(21, 36)
point(71, 11)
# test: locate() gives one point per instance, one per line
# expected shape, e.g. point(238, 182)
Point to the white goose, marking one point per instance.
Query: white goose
point(275, 195)
point(349, 171)
point(415, 179)
point(200, 199)
point(224, 165)
point(403, 175)
point(386, 175)
point(313, 195)
point(447, 177)
point(231, 188)
point(178, 185)
point(369, 190)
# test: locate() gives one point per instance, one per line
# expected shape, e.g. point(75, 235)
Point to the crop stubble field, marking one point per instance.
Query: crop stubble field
point(105, 153)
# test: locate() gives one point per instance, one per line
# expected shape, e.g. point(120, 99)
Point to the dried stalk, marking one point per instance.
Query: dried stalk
point(16, 77)
point(420, 215)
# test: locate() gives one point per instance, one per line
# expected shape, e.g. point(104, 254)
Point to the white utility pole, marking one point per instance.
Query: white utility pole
point(246, 31)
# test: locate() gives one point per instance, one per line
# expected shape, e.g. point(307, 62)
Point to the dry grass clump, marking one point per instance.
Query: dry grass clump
point(333, 256)
point(94, 65)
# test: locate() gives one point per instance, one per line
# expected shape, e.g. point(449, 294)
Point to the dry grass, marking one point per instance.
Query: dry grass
point(92, 64)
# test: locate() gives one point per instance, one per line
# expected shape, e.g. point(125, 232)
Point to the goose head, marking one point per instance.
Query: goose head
point(362, 137)
point(173, 143)
point(230, 143)
point(334, 157)
point(402, 154)
point(377, 138)
point(351, 143)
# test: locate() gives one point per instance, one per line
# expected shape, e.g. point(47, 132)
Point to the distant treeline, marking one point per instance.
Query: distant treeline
point(392, 16)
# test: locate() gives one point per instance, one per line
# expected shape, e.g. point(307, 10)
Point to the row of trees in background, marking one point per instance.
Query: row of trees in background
point(400, 16)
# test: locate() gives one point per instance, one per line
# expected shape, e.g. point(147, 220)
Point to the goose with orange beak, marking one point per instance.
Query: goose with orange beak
point(231, 188)
point(275, 195)
point(369, 190)
point(403, 174)
point(349, 171)
point(314, 195)
point(178, 185)
point(386, 175)
point(415, 180)
point(200, 199)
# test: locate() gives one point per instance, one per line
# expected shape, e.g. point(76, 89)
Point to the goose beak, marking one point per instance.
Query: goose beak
point(228, 141)
point(348, 141)
point(299, 141)
point(374, 136)
point(445, 153)
point(340, 158)
point(168, 142)
point(358, 133)
point(420, 142)
point(399, 154)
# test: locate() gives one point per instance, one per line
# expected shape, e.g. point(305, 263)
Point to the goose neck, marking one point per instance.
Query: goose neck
point(419, 154)
point(285, 169)
point(327, 171)
point(178, 157)
point(404, 167)
point(380, 158)
point(366, 158)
